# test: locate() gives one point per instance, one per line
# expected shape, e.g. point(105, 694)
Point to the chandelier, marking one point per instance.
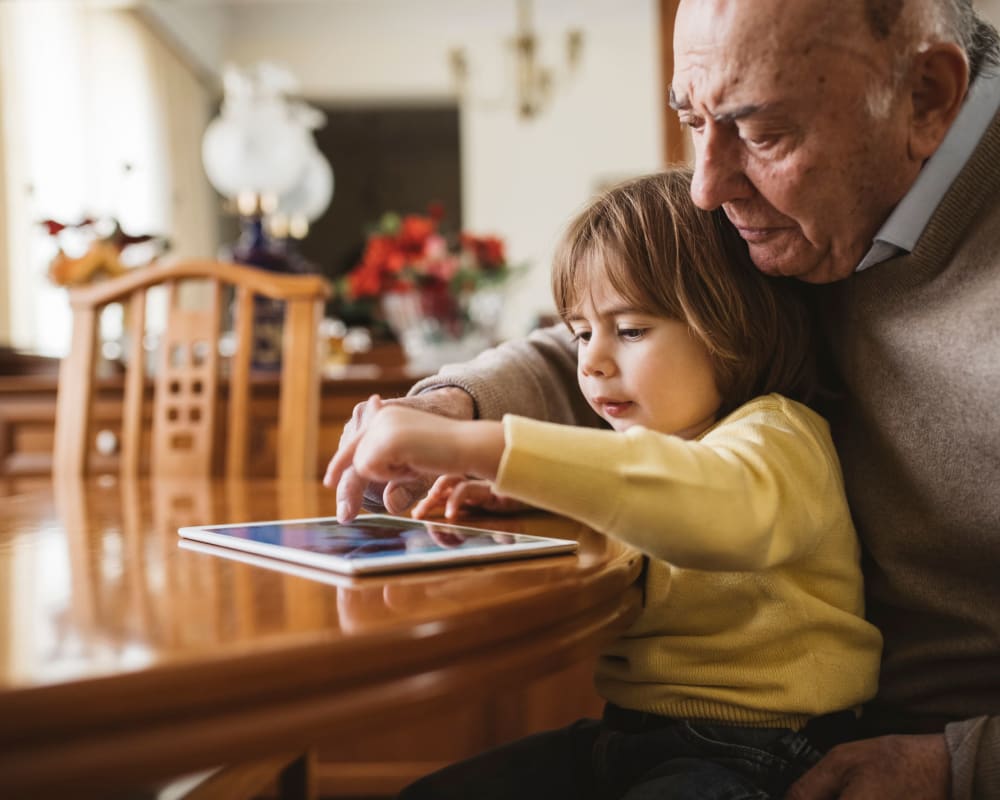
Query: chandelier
point(534, 82)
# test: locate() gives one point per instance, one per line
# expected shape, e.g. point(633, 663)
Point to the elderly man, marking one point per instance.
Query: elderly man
point(855, 145)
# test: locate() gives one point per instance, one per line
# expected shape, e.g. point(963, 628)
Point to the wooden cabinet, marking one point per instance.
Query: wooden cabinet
point(28, 413)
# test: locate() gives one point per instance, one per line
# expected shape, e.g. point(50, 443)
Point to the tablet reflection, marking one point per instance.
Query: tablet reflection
point(446, 536)
point(368, 603)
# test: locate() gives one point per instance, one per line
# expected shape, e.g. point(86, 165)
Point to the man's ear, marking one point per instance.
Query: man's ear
point(939, 81)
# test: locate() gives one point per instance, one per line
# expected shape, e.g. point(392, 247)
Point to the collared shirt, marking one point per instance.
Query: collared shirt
point(907, 221)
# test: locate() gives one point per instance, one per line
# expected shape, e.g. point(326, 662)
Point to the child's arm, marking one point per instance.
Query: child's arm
point(761, 489)
point(456, 492)
point(403, 442)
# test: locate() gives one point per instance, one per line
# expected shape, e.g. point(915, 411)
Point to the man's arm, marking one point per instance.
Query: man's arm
point(532, 377)
point(974, 747)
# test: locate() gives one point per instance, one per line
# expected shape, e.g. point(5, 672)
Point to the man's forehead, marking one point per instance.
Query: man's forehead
point(788, 21)
point(746, 52)
point(779, 29)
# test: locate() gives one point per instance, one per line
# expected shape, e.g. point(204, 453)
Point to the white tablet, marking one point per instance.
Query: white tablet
point(375, 543)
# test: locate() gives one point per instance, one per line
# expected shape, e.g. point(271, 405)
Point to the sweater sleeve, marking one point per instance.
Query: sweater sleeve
point(974, 747)
point(533, 377)
point(752, 493)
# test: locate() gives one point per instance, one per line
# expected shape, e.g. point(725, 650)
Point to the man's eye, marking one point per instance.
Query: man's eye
point(693, 123)
point(761, 141)
point(631, 334)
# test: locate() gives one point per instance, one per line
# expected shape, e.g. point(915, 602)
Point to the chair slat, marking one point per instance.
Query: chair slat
point(298, 419)
point(135, 383)
point(161, 412)
point(239, 386)
point(187, 388)
point(209, 369)
point(74, 404)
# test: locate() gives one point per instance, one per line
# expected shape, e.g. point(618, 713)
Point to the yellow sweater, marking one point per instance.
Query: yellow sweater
point(753, 608)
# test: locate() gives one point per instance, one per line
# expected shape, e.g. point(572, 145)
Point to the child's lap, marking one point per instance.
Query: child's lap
point(591, 761)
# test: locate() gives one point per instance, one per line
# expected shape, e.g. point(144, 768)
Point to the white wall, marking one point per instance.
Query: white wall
point(196, 35)
point(989, 9)
point(521, 179)
point(91, 128)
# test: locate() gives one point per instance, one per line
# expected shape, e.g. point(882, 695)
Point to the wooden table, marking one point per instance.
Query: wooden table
point(125, 658)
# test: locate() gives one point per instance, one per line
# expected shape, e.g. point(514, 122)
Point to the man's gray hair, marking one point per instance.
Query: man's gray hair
point(949, 20)
point(923, 21)
point(975, 35)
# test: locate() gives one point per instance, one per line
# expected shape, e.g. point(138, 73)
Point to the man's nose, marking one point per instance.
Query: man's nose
point(718, 168)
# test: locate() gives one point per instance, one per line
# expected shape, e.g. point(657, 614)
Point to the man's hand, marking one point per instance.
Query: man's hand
point(397, 495)
point(887, 768)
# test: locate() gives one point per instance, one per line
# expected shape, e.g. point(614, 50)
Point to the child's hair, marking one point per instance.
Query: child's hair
point(667, 257)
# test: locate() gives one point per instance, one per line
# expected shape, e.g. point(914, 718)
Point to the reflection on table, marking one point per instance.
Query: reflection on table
point(126, 657)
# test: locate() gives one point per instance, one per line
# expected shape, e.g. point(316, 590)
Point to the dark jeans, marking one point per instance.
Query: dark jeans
point(635, 756)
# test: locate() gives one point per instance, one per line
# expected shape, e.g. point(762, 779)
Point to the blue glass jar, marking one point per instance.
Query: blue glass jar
point(256, 248)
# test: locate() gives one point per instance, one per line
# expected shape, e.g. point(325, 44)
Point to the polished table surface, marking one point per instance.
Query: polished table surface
point(124, 657)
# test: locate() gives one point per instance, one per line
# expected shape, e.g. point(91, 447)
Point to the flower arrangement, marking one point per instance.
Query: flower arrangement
point(427, 285)
point(403, 253)
point(91, 249)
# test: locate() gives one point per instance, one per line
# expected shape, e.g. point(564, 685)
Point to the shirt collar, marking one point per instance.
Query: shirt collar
point(908, 219)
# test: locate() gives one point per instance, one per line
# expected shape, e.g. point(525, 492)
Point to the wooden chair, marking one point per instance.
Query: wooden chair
point(184, 413)
point(187, 378)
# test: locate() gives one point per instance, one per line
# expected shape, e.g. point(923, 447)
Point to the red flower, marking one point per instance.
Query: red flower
point(407, 252)
point(487, 250)
point(366, 280)
point(414, 232)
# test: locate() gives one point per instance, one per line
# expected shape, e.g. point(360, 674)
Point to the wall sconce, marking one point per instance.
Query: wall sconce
point(534, 82)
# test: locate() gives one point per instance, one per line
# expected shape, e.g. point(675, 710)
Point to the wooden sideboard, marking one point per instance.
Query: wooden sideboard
point(28, 414)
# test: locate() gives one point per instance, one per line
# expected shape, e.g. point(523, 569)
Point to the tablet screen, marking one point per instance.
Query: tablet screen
point(374, 543)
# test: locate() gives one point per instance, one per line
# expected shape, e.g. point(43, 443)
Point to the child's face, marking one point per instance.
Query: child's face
point(637, 368)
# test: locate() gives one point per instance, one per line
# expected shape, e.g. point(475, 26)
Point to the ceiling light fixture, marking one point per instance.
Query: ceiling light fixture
point(534, 82)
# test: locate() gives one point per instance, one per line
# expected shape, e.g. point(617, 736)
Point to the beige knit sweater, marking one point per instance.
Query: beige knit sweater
point(917, 341)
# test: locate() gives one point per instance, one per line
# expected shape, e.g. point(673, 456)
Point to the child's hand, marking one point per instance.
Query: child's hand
point(455, 492)
point(396, 497)
point(398, 443)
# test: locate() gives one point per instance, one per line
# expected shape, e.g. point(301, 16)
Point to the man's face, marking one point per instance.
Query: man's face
point(775, 94)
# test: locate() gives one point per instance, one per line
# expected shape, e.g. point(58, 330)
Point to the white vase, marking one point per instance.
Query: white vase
point(434, 333)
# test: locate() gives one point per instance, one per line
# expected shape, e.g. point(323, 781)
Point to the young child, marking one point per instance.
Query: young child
point(751, 654)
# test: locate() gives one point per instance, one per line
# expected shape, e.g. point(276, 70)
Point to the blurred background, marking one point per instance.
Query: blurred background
point(430, 104)
point(501, 116)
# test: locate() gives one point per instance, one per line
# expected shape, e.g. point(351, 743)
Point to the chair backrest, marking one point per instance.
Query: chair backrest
point(187, 379)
